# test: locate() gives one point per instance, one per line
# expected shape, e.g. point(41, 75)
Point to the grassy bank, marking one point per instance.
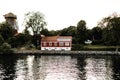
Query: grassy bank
point(100, 48)
point(79, 47)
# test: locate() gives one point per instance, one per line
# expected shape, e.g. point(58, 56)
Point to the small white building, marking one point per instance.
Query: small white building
point(56, 43)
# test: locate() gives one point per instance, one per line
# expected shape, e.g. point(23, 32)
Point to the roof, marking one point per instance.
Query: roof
point(53, 38)
point(10, 15)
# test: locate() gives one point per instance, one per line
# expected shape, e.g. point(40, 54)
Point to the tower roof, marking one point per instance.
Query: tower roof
point(10, 15)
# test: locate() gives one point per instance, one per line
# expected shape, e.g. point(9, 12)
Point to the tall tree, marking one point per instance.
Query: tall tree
point(1, 40)
point(6, 31)
point(97, 33)
point(81, 31)
point(70, 31)
point(112, 30)
point(45, 32)
point(36, 22)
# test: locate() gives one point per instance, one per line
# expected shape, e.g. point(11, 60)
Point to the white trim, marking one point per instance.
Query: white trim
point(64, 39)
point(56, 48)
point(67, 43)
point(44, 44)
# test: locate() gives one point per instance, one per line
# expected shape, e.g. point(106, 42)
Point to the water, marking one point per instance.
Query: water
point(38, 67)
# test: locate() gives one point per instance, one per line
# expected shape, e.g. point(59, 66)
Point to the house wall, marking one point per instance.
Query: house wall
point(56, 48)
point(62, 43)
point(56, 44)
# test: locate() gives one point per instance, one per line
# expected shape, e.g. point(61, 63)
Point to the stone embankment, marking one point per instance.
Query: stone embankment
point(66, 52)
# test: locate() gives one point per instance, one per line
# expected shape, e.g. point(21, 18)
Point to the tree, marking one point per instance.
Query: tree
point(96, 35)
point(36, 22)
point(1, 40)
point(112, 30)
point(54, 33)
point(70, 31)
point(89, 34)
point(6, 31)
point(81, 31)
point(5, 48)
point(45, 32)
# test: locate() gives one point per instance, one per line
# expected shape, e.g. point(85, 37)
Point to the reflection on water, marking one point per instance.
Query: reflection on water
point(36, 67)
point(59, 68)
point(98, 69)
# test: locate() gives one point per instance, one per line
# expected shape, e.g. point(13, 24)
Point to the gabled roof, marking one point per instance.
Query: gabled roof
point(53, 38)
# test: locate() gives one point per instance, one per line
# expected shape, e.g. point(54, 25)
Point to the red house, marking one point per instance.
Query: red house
point(56, 43)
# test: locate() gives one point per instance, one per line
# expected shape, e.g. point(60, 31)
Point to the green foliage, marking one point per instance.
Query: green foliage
point(45, 32)
point(39, 47)
point(111, 31)
point(70, 31)
point(5, 48)
point(1, 40)
point(107, 32)
point(89, 35)
point(6, 31)
point(23, 39)
point(12, 41)
point(35, 21)
point(81, 31)
point(96, 35)
point(36, 39)
point(20, 40)
point(54, 33)
point(77, 47)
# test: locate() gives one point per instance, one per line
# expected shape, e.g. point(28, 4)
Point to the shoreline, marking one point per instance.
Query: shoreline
point(40, 52)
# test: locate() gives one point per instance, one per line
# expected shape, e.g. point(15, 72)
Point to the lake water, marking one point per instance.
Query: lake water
point(77, 67)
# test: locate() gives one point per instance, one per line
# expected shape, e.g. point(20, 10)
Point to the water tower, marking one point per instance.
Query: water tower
point(12, 20)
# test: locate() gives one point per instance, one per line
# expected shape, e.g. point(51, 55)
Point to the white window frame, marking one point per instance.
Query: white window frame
point(61, 43)
point(55, 44)
point(44, 43)
point(67, 43)
point(50, 43)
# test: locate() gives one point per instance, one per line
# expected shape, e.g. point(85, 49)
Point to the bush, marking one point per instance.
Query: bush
point(5, 48)
point(1, 40)
point(39, 47)
point(77, 46)
point(30, 46)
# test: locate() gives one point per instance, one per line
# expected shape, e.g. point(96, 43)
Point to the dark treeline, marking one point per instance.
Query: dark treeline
point(107, 32)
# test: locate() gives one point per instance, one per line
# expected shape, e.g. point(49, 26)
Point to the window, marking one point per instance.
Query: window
point(50, 43)
point(44, 44)
point(61, 44)
point(55, 44)
point(67, 44)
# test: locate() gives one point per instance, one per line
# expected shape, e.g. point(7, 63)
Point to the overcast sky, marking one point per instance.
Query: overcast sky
point(61, 13)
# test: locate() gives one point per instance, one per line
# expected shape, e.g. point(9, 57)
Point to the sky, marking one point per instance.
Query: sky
point(61, 14)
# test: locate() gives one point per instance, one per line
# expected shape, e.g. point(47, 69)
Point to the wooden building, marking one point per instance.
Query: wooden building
point(56, 43)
